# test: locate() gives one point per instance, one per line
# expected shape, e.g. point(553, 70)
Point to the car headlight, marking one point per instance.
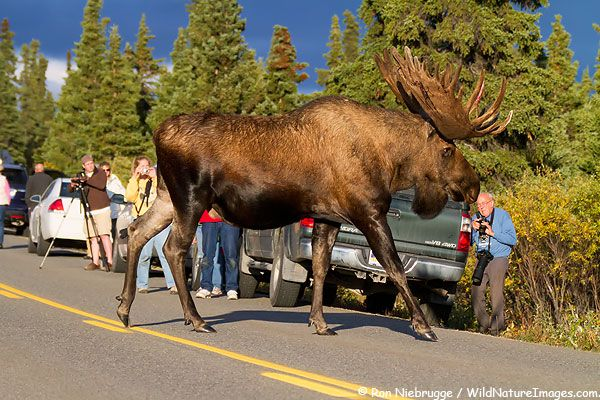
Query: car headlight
point(12, 193)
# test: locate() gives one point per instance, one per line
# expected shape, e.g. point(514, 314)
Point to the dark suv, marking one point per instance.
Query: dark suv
point(16, 216)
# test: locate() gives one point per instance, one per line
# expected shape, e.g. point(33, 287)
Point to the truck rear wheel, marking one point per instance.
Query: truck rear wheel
point(436, 314)
point(380, 303)
point(282, 293)
point(248, 282)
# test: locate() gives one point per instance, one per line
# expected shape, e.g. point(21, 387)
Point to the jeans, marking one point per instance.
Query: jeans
point(143, 268)
point(2, 211)
point(217, 276)
point(230, 241)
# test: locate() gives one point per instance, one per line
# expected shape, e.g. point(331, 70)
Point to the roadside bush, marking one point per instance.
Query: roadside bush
point(553, 287)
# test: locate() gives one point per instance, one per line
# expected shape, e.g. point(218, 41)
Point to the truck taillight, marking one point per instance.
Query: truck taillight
point(56, 205)
point(307, 222)
point(464, 236)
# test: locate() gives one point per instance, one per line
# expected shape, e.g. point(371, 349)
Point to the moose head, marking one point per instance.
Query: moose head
point(442, 169)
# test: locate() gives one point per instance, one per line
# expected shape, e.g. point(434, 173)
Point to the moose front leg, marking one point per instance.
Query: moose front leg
point(323, 239)
point(380, 238)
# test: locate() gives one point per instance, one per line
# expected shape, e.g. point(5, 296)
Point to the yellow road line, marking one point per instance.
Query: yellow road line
point(226, 353)
point(312, 385)
point(107, 326)
point(9, 295)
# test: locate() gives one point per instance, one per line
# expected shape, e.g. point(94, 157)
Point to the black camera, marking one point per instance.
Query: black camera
point(79, 180)
point(482, 228)
point(483, 259)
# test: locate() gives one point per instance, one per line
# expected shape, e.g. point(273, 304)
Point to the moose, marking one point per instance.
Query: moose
point(333, 159)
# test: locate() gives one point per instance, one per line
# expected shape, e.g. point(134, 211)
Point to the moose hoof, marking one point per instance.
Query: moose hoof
point(205, 328)
point(429, 336)
point(326, 332)
point(124, 318)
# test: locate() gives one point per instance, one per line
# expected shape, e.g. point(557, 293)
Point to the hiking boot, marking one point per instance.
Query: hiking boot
point(203, 294)
point(91, 267)
point(232, 295)
point(143, 290)
point(216, 292)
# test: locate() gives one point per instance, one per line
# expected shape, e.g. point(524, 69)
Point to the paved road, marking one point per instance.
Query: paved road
point(60, 339)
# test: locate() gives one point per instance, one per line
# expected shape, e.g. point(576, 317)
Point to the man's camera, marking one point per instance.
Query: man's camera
point(482, 228)
point(483, 259)
point(78, 181)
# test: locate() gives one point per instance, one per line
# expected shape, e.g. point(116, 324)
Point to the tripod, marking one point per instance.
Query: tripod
point(87, 213)
point(57, 232)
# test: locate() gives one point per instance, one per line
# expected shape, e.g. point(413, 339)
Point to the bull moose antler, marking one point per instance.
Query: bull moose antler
point(434, 98)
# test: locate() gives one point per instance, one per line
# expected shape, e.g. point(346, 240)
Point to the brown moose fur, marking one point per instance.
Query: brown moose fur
point(333, 159)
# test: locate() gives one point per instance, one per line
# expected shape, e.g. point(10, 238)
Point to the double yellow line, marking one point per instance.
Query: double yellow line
point(308, 380)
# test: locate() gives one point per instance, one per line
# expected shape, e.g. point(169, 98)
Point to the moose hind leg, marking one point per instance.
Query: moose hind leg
point(143, 229)
point(380, 238)
point(324, 234)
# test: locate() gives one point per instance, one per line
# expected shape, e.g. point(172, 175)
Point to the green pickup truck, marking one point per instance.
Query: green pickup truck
point(434, 253)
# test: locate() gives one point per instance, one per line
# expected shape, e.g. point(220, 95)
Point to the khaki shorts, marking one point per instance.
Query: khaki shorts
point(103, 225)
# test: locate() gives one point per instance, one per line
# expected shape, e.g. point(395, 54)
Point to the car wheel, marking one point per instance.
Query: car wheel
point(19, 231)
point(436, 314)
point(42, 245)
point(31, 246)
point(282, 293)
point(196, 270)
point(380, 303)
point(119, 262)
point(248, 282)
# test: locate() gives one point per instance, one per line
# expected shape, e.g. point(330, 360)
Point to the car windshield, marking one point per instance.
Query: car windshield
point(15, 176)
point(64, 191)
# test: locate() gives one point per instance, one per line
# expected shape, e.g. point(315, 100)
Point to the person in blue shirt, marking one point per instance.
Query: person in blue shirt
point(499, 238)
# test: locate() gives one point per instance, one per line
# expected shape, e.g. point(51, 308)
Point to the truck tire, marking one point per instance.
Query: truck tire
point(42, 245)
point(282, 293)
point(31, 246)
point(380, 303)
point(329, 293)
point(436, 314)
point(119, 262)
point(248, 282)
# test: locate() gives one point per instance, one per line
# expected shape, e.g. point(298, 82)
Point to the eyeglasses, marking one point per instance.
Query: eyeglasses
point(483, 204)
point(106, 169)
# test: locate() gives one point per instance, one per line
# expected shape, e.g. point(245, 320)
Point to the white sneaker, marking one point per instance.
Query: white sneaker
point(216, 291)
point(232, 295)
point(203, 294)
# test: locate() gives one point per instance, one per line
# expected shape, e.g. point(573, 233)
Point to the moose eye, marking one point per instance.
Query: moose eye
point(447, 152)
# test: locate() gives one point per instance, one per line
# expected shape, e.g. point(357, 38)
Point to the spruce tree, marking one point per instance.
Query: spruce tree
point(10, 133)
point(351, 36)
point(213, 64)
point(283, 72)
point(115, 119)
point(147, 73)
point(73, 133)
point(35, 101)
point(335, 55)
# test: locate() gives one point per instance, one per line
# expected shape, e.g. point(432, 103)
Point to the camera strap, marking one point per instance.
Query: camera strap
point(145, 196)
point(491, 222)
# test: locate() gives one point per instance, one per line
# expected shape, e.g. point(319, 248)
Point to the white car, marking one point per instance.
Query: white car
point(58, 215)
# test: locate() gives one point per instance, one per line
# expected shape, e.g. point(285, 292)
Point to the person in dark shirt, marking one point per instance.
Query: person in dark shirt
point(98, 227)
point(36, 184)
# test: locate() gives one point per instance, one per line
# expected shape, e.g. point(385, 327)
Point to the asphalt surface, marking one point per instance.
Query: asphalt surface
point(61, 339)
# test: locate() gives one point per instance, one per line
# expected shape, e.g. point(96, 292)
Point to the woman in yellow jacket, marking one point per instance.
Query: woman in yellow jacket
point(141, 191)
